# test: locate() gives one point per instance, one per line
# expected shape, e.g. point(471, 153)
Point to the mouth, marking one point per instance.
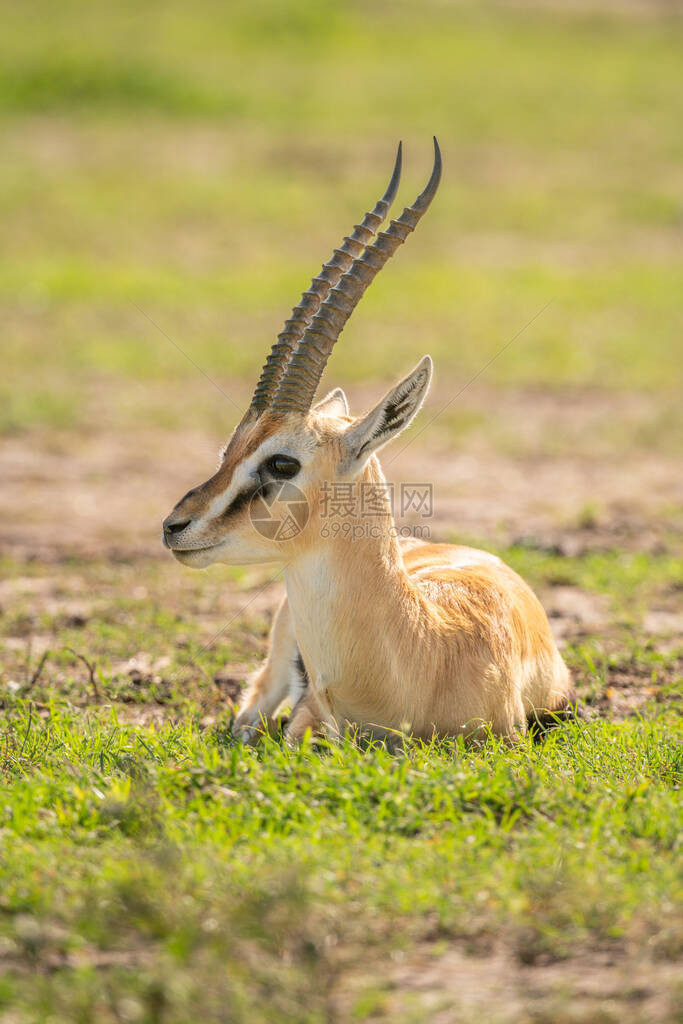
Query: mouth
point(192, 556)
point(190, 551)
point(184, 551)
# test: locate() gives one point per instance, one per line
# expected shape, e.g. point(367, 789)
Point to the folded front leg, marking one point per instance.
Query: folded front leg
point(279, 678)
point(307, 716)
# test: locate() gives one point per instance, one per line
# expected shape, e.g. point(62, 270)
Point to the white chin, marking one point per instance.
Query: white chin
point(197, 559)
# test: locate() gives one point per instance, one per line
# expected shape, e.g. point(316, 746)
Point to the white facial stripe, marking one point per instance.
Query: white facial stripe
point(242, 479)
point(245, 475)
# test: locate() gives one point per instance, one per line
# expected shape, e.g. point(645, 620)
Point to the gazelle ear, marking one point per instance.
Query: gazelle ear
point(393, 414)
point(333, 404)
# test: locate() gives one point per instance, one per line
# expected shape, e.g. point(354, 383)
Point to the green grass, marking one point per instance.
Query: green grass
point(188, 853)
point(629, 579)
point(155, 871)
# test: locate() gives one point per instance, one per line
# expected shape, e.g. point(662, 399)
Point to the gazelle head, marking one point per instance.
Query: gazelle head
point(262, 504)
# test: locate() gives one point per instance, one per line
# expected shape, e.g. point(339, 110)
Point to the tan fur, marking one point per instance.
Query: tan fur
point(437, 639)
point(271, 684)
point(307, 717)
point(422, 638)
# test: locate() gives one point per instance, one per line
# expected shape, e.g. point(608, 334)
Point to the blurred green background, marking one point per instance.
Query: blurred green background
point(200, 161)
point(180, 171)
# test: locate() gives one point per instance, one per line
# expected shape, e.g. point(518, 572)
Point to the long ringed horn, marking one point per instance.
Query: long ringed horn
point(351, 247)
point(300, 380)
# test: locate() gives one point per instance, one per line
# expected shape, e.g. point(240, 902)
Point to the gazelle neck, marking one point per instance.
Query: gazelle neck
point(348, 594)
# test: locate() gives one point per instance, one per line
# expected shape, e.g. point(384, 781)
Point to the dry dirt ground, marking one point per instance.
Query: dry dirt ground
point(566, 474)
point(576, 471)
point(452, 985)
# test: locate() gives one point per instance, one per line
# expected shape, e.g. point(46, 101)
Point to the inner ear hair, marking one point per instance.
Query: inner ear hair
point(334, 403)
point(393, 414)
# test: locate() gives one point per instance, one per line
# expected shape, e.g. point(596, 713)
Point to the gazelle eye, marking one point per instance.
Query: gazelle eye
point(283, 467)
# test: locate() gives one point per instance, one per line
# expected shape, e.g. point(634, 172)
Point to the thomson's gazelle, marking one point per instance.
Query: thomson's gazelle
point(429, 638)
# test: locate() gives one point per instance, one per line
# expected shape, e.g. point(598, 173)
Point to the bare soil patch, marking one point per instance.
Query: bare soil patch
point(443, 986)
point(566, 471)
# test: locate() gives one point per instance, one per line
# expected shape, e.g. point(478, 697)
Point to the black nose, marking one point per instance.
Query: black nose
point(176, 526)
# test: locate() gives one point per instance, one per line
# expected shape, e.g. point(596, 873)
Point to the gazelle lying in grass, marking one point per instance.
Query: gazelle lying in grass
point(428, 638)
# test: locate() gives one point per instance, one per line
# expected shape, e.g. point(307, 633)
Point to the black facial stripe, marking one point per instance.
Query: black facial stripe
point(241, 500)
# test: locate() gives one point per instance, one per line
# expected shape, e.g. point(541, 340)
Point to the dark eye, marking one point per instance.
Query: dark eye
point(283, 467)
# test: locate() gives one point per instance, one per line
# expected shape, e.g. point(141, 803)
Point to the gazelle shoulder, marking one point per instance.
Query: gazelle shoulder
point(420, 558)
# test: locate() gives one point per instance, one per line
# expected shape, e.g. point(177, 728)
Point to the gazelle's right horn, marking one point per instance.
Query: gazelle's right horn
point(298, 384)
point(302, 314)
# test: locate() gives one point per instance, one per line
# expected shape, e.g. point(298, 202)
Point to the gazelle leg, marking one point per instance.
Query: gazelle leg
point(276, 679)
point(306, 715)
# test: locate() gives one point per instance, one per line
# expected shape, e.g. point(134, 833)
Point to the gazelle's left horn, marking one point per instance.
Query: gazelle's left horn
point(302, 374)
